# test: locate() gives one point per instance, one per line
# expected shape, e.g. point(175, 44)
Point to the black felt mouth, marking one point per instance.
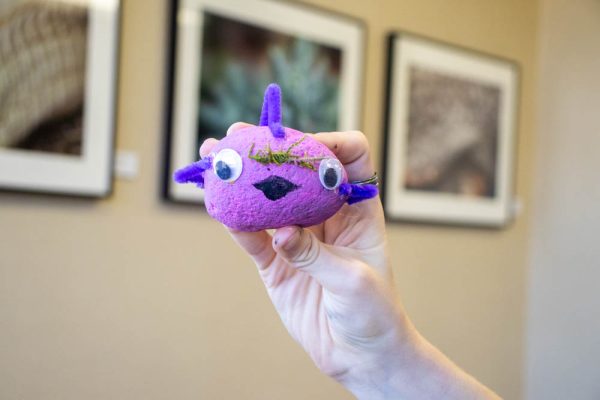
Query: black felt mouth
point(275, 187)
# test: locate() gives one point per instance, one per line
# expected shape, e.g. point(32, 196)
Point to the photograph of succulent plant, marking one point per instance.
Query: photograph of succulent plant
point(226, 52)
point(42, 73)
point(239, 59)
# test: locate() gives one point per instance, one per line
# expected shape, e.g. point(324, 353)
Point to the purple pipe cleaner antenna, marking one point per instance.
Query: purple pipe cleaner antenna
point(358, 192)
point(271, 111)
point(193, 173)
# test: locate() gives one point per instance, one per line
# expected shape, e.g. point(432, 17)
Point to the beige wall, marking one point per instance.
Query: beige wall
point(128, 298)
point(563, 333)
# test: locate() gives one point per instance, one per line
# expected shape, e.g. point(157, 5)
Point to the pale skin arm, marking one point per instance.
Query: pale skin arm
point(332, 286)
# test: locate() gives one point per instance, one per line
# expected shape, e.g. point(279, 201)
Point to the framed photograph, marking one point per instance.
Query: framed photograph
point(450, 132)
point(226, 52)
point(57, 95)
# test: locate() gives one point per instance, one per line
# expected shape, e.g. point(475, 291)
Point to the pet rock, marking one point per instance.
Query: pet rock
point(270, 176)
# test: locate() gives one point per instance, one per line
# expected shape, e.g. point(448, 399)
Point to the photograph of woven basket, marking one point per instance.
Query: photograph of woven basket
point(42, 75)
point(58, 76)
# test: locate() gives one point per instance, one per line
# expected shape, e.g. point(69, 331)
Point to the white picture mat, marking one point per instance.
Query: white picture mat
point(411, 204)
point(281, 17)
point(90, 173)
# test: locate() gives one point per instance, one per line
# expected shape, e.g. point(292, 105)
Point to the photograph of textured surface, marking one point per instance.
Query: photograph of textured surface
point(452, 134)
point(240, 59)
point(42, 75)
point(450, 129)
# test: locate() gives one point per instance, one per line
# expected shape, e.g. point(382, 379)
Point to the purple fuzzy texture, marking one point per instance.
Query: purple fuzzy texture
point(241, 205)
point(273, 190)
point(193, 173)
point(356, 193)
point(271, 111)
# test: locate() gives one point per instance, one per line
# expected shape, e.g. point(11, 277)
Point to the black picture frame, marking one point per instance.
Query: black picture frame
point(351, 42)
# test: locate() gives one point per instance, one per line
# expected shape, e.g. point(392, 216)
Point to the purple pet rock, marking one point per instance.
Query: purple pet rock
point(270, 176)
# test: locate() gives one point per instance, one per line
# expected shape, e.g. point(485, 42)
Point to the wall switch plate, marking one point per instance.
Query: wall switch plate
point(127, 164)
point(517, 207)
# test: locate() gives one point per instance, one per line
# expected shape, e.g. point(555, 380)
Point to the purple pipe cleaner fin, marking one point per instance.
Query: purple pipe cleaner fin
point(193, 173)
point(271, 111)
point(358, 193)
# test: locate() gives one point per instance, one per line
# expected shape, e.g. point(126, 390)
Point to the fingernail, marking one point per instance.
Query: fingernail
point(233, 127)
point(200, 152)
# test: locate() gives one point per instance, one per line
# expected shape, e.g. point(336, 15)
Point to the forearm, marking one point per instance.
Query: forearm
point(419, 371)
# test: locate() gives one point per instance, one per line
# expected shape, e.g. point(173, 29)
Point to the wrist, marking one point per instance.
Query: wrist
point(389, 373)
point(414, 369)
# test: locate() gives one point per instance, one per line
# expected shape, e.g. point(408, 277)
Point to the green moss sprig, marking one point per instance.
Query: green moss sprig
point(280, 157)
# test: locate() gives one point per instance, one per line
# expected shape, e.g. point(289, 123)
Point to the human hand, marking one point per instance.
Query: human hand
point(332, 287)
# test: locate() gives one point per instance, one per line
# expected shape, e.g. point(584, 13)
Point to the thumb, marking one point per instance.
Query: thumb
point(336, 272)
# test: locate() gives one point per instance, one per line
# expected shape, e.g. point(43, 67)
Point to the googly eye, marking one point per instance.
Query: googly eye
point(227, 165)
point(330, 173)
